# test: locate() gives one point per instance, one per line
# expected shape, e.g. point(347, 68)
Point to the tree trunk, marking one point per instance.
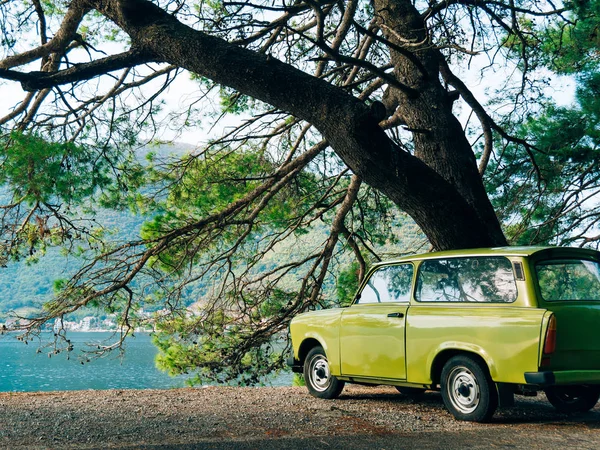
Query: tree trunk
point(439, 139)
point(439, 187)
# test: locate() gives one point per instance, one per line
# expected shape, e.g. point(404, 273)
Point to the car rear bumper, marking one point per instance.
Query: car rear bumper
point(549, 377)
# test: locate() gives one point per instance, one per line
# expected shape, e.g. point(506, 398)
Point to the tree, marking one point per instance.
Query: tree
point(562, 184)
point(349, 117)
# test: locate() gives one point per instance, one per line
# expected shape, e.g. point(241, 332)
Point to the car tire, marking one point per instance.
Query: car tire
point(317, 375)
point(573, 399)
point(468, 390)
point(412, 392)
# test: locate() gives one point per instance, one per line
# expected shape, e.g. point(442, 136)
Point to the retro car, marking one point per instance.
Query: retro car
point(479, 325)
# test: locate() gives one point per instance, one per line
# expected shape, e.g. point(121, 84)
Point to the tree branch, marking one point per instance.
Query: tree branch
point(440, 6)
point(487, 123)
point(32, 81)
point(484, 119)
point(344, 121)
point(60, 41)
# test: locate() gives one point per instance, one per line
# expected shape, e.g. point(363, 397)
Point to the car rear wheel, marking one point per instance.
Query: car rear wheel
point(319, 381)
point(573, 399)
point(468, 390)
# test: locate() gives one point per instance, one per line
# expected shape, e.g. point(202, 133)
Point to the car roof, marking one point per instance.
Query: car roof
point(541, 251)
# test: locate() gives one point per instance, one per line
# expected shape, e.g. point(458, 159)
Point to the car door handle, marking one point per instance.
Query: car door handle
point(397, 314)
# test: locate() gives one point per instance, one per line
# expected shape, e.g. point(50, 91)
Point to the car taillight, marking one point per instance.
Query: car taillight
point(550, 342)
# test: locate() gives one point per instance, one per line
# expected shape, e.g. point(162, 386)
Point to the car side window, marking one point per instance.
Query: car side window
point(477, 279)
point(388, 284)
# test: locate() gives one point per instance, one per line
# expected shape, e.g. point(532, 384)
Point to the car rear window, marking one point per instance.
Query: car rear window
point(476, 279)
point(568, 279)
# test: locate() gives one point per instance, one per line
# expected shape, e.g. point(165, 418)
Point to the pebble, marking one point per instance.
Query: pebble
point(153, 417)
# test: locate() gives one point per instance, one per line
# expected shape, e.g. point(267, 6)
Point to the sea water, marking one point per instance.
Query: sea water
point(24, 369)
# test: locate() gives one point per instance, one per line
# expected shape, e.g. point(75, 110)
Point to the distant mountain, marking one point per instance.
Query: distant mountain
point(24, 287)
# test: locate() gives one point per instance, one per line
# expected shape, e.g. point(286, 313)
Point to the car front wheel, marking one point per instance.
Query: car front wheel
point(573, 399)
point(319, 381)
point(468, 390)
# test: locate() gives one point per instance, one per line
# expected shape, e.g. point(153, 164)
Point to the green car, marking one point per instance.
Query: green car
point(480, 325)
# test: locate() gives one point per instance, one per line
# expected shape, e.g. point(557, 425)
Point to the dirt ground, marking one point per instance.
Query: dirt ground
point(287, 417)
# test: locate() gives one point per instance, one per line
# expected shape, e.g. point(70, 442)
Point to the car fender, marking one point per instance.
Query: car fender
point(462, 347)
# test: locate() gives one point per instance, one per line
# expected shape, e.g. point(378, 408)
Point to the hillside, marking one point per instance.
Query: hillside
point(25, 286)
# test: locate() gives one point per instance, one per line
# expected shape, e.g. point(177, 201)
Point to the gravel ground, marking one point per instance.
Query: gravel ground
point(228, 417)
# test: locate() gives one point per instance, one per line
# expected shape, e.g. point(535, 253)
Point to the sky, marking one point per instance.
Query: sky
point(185, 91)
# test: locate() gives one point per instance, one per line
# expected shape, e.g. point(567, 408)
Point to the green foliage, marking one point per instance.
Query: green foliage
point(347, 284)
point(566, 142)
point(38, 171)
point(233, 102)
point(298, 380)
point(546, 195)
point(213, 182)
point(571, 48)
point(52, 7)
point(206, 348)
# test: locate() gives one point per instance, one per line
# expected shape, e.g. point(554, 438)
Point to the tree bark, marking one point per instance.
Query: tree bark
point(439, 187)
point(439, 139)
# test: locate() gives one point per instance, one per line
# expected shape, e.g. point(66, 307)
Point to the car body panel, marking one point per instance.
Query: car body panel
point(322, 326)
point(507, 339)
point(372, 344)
point(578, 336)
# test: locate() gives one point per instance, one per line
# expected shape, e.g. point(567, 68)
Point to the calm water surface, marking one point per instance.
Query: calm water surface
point(24, 370)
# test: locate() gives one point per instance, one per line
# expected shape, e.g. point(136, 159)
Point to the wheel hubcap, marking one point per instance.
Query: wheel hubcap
point(463, 389)
point(319, 373)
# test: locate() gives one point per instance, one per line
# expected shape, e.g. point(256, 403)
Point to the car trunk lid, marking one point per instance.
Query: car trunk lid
point(570, 288)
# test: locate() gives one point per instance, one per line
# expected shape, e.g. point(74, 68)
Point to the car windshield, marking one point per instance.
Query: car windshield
point(569, 279)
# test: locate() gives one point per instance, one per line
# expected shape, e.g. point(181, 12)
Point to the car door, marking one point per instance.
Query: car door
point(372, 330)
